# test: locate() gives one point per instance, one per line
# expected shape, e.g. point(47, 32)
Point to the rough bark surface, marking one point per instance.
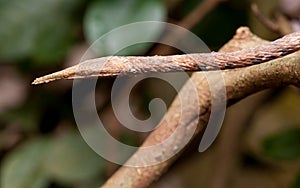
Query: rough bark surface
point(243, 50)
point(128, 65)
point(239, 84)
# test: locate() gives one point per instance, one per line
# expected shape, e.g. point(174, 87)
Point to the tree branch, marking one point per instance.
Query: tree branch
point(128, 65)
point(239, 84)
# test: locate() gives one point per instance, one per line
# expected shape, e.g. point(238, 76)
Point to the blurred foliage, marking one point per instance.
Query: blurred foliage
point(69, 160)
point(101, 18)
point(40, 30)
point(40, 146)
point(22, 168)
point(65, 159)
point(284, 145)
point(37, 34)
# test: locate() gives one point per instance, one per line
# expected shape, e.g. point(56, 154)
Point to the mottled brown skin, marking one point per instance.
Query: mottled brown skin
point(129, 65)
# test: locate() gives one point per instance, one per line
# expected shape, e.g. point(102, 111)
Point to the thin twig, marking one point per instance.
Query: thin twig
point(263, 19)
point(199, 13)
point(188, 22)
point(128, 65)
point(281, 24)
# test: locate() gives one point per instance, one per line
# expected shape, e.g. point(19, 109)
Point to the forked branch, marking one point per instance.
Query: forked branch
point(239, 83)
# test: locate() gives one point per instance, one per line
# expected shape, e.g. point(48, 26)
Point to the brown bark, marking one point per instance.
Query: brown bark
point(239, 84)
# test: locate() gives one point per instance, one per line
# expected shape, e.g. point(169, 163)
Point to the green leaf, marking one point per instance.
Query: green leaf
point(70, 160)
point(284, 145)
point(42, 30)
point(22, 167)
point(104, 16)
point(26, 116)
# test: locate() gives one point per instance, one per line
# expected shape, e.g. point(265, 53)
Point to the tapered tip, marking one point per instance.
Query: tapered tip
point(43, 80)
